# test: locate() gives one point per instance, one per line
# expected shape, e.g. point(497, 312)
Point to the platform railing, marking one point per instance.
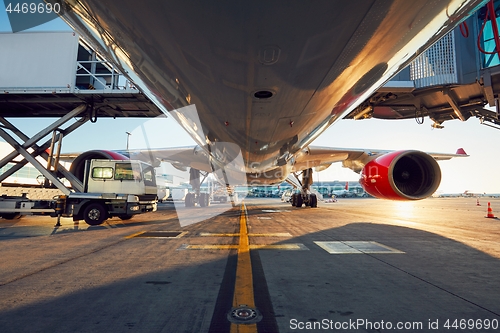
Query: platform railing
point(113, 80)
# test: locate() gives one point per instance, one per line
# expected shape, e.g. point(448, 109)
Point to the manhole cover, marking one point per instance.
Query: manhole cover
point(244, 315)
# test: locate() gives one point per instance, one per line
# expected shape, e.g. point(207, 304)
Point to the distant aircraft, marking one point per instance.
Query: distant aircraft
point(342, 193)
point(466, 193)
point(261, 80)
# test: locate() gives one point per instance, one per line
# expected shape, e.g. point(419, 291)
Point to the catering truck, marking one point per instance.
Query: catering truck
point(120, 188)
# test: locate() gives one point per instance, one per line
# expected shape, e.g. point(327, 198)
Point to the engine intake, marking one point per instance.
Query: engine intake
point(78, 165)
point(401, 175)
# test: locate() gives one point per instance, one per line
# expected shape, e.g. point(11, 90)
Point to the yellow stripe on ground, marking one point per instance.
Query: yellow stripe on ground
point(243, 288)
point(276, 234)
point(277, 247)
point(208, 234)
point(211, 247)
point(135, 235)
point(252, 247)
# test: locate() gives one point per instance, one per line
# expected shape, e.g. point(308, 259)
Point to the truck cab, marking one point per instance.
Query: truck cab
point(119, 188)
point(111, 176)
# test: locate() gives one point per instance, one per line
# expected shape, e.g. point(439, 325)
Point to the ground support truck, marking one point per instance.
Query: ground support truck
point(111, 188)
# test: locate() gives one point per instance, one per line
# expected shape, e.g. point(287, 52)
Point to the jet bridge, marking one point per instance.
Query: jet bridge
point(456, 78)
point(57, 75)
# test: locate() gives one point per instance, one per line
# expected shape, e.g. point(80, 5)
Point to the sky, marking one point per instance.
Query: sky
point(477, 173)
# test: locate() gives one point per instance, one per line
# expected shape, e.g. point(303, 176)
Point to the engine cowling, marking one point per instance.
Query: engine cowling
point(401, 175)
point(78, 165)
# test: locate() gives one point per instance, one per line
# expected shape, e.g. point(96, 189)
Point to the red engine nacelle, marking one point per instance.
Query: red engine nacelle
point(78, 165)
point(401, 175)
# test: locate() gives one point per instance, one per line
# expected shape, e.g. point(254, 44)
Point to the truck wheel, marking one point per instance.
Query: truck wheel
point(11, 216)
point(94, 214)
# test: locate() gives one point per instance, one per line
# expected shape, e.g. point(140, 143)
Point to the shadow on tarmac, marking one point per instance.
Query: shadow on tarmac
point(435, 279)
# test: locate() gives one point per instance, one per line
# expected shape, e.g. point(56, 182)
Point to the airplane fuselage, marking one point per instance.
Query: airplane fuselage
point(268, 76)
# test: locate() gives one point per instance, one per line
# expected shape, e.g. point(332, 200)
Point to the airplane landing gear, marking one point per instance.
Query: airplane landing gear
point(196, 198)
point(304, 196)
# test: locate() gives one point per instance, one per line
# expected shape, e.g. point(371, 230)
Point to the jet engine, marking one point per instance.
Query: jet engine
point(78, 165)
point(401, 175)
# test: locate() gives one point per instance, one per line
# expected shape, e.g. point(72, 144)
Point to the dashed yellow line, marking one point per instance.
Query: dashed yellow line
point(252, 247)
point(135, 235)
point(276, 234)
point(210, 247)
point(208, 234)
point(278, 247)
point(243, 288)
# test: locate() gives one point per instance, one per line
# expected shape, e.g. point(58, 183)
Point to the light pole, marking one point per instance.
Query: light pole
point(128, 137)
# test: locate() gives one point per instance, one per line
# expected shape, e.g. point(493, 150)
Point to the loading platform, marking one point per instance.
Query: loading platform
point(57, 75)
point(457, 78)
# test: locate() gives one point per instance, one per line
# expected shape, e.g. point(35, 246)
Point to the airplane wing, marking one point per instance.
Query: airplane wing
point(180, 157)
point(321, 158)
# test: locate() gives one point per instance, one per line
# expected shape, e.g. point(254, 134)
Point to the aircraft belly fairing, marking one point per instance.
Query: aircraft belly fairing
point(268, 78)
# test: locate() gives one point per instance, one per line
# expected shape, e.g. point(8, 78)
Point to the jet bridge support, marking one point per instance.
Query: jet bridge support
point(66, 85)
point(54, 169)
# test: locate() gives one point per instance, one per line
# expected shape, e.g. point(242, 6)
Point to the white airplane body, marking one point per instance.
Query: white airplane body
point(264, 78)
point(342, 193)
point(464, 194)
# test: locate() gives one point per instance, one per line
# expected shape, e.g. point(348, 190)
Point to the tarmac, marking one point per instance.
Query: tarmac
point(357, 265)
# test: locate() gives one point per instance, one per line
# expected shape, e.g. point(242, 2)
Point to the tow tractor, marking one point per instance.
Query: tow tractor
point(120, 188)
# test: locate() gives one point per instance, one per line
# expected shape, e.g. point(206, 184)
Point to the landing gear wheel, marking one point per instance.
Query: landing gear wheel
point(204, 199)
point(189, 202)
point(293, 199)
point(299, 200)
point(94, 214)
point(313, 200)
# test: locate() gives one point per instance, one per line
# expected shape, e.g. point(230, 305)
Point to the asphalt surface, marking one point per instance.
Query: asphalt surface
point(358, 265)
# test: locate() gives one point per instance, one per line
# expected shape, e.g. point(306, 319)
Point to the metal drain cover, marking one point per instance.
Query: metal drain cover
point(244, 315)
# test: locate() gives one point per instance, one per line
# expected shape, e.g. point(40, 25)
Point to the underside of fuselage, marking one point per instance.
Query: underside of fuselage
point(268, 76)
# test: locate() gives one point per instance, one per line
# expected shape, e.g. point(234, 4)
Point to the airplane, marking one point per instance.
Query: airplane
point(255, 83)
point(466, 193)
point(342, 193)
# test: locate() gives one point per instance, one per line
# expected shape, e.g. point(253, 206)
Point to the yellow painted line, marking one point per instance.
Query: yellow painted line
point(135, 235)
point(208, 234)
point(277, 234)
point(278, 247)
point(181, 234)
point(252, 247)
point(243, 288)
point(211, 247)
